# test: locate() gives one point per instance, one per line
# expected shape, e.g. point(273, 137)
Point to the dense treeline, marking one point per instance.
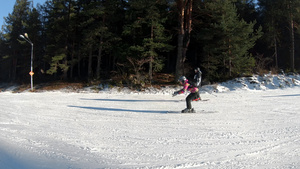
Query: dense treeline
point(129, 41)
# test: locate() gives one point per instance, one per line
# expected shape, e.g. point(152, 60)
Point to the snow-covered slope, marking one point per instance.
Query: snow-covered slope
point(242, 125)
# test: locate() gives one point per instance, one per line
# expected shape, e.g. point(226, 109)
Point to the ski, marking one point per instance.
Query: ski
point(201, 111)
point(179, 112)
point(202, 100)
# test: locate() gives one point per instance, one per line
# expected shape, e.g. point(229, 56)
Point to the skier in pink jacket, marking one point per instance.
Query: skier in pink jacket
point(193, 94)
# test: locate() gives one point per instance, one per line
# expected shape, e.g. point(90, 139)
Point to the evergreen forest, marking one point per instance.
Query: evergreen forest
point(132, 42)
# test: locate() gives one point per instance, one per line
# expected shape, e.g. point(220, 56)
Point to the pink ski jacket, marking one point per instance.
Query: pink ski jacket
point(188, 87)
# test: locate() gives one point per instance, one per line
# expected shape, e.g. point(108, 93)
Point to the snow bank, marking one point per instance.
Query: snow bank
point(255, 82)
point(260, 83)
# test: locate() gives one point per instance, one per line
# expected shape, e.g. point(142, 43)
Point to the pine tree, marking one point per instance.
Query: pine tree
point(281, 18)
point(271, 13)
point(146, 26)
point(14, 53)
point(292, 17)
point(99, 32)
point(4, 61)
point(60, 30)
point(246, 10)
point(229, 40)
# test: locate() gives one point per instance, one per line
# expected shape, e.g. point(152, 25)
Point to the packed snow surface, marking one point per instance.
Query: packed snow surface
point(243, 124)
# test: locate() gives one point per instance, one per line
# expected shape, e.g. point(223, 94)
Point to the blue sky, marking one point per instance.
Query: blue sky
point(7, 7)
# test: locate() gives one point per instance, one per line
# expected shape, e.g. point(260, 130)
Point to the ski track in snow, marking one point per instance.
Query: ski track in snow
point(237, 129)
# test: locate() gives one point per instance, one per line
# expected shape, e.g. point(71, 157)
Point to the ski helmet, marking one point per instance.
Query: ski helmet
point(182, 79)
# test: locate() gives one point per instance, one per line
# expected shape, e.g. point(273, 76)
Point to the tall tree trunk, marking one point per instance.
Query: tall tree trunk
point(275, 44)
point(275, 52)
point(179, 61)
point(230, 57)
point(72, 58)
point(65, 70)
point(292, 38)
point(78, 65)
point(90, 71)
point(185, 27)
point(99, 57)
point(14, 69)
point(188, 28)
point(292, 54)
point(151, 55)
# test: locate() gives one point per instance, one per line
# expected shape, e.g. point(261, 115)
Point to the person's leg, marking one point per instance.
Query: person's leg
point(198, 94)
point(197, 97)
point(189, 99)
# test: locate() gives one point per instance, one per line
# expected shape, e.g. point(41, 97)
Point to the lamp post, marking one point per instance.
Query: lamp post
point(25, 36)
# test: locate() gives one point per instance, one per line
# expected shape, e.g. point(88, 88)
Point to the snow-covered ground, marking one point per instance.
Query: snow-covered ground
point(246, 123)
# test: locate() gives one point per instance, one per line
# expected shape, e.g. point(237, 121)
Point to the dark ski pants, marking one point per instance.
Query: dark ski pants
point(189, 99)
point(198, 93)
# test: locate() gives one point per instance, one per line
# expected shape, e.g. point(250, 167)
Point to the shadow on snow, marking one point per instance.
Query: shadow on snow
point(128, 100)
point(124, 110)
point(290, 95)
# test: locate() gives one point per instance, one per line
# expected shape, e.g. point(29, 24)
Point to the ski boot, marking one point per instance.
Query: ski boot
point(188, 110)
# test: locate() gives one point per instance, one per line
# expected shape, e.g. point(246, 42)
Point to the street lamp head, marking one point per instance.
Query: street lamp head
point(26, 38)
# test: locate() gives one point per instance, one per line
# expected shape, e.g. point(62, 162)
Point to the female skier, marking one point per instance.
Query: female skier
point(193, 94)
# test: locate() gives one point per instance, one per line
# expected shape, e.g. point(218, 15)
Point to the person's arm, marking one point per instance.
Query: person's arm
point(185, 86)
